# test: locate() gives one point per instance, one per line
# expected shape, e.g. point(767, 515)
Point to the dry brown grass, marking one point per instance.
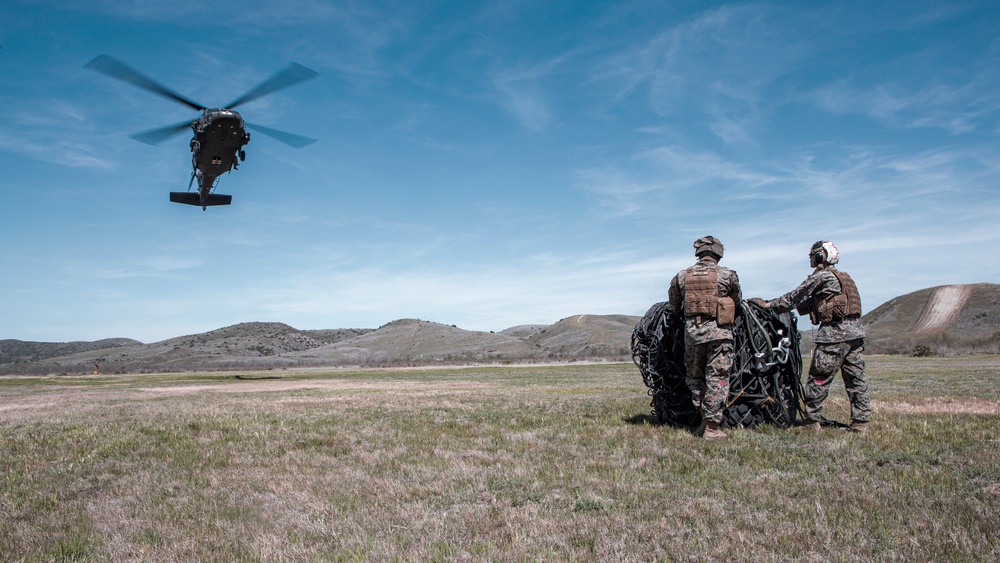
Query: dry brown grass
point(528, 463)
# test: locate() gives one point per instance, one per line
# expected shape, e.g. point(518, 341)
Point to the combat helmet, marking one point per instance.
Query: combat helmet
point(708, 244)
point(823, 251)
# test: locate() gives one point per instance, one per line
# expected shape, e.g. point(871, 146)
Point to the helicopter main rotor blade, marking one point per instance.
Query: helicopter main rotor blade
point(106, 64)
point(291, 75)
point(291, 139)
point(156, 136)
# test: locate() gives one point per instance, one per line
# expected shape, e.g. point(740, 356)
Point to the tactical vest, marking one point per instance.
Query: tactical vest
point(701, 291)
point(845, 304)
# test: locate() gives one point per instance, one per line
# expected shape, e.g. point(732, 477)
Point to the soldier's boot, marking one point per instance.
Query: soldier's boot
point(700, 429)
point(810, 426)
point(712, 432)
point(858, 426)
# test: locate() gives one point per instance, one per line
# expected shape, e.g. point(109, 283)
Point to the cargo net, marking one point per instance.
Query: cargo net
point(764, 385)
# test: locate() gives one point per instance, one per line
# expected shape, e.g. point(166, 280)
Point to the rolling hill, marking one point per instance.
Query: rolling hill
point(15, 351)
point(261, 345)
point(951, 319)
point(417, 341)
point(582, 336)
point(948, 319)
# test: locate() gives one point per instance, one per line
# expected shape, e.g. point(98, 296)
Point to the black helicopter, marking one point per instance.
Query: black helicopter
point(219, 134)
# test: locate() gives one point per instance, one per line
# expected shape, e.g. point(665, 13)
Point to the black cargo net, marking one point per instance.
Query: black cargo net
point(764, 385)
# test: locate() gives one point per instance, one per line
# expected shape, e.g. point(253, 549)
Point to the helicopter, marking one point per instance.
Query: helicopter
point(220, 133)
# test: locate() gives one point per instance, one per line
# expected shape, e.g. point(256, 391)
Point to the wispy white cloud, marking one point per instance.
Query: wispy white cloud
point(522, 92)
point(719, 64)
point(733, 68)
point(956, 109)
point(54, 149)
point(524, 100)
point(874, 176)
point(244, 12)
point(899, 217)
point(687, 178)
point(354, 34)
point(130, 266)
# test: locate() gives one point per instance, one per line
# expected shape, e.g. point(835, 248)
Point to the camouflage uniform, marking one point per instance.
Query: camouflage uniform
point(708, 347)
point(840, 344)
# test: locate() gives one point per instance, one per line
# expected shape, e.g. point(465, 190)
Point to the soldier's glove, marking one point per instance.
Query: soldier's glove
point(760, 303)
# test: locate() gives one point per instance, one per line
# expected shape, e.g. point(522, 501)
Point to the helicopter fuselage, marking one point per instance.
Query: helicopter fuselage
point(216, 148)
point(219, 136)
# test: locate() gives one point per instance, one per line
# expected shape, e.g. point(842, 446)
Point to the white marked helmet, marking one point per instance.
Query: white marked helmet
point(823, 251)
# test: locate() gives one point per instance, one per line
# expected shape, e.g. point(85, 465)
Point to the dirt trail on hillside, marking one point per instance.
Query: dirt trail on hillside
point(942, 309)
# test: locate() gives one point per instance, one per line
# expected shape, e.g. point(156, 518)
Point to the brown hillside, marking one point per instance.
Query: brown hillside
point(948, 319)
point(413, 340)
point(523, 331)
point(260, 344)
point(953, 319)
point(588, 336)
point(15, 351)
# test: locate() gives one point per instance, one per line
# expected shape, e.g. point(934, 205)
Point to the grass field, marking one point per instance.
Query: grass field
point(488, 463)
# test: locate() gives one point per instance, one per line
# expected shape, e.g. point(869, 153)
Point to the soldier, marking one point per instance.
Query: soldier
point(707, 294)
point(831, 298)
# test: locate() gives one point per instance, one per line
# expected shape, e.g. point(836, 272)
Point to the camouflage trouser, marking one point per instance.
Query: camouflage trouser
point(708, 365)
point(849, 358)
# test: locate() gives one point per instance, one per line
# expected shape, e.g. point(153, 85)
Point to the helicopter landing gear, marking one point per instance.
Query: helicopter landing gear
point(243, 155)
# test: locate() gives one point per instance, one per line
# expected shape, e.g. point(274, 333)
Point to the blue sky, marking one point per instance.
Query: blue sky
point(488, 164)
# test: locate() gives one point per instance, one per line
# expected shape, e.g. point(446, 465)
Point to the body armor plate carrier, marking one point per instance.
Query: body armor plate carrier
point(845, 304)
point(701, 291)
